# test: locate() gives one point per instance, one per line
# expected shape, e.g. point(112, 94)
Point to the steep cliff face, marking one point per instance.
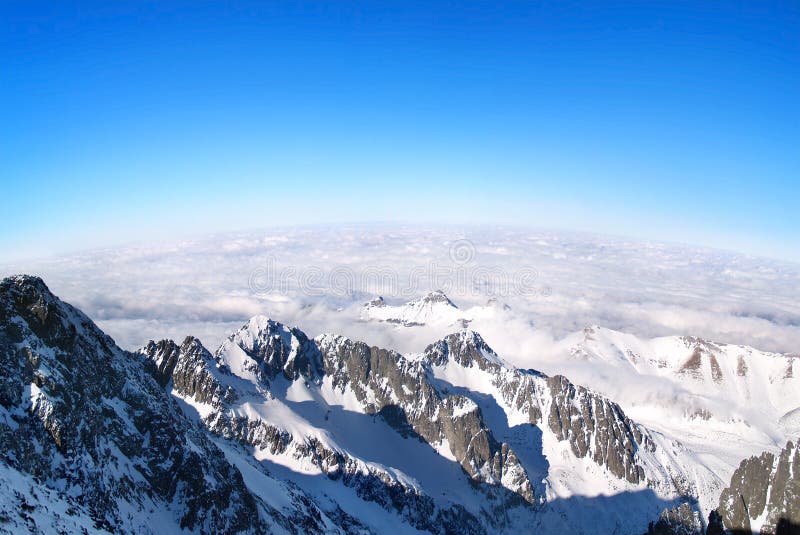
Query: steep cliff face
point(388, 383)
point(764, 493)
point(87, 422)
point(597, 428)
point(591, 425)
point(191, 369)
point(93, 442)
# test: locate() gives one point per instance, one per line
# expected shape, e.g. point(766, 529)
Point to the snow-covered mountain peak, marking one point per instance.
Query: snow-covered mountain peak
point(435, 308)
point(262, 348)
point(259, 327)
point(438, 296)
point(28, 283)
point(467, 347)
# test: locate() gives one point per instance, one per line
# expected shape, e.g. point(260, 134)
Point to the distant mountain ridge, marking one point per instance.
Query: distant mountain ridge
point(722, 401)
point(279, 432)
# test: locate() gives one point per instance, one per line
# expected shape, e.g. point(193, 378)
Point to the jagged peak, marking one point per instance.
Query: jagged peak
point(471, 338)
point(190, 345)
point(54, 321)
point(24, 281)
point(331, 342)
point(468, 336)
point(275, 345)
point(162, 346)
point(329, 339)
point(437, 296)
point(191, 342)
point(260, 328)
point(27, 290)
point(466, 346)
point(84, 386)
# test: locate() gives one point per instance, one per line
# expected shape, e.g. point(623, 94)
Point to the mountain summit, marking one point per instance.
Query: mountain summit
point(435, 308)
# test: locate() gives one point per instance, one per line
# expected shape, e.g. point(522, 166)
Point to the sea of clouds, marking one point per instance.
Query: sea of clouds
point(552, 283)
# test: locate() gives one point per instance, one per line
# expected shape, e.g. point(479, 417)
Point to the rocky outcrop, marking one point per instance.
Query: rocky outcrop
point(765, 489)
point(190, 368)
point(679, 520)
point(593, 426)
point(275, 349)
point(389, 384)
point(78, 413)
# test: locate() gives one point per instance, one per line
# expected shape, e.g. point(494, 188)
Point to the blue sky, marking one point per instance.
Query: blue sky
point(674, 121)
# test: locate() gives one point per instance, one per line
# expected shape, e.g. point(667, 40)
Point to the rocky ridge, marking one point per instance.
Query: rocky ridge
point(764, 493)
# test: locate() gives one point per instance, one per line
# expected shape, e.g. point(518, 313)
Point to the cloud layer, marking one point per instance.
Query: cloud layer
point(317, 278)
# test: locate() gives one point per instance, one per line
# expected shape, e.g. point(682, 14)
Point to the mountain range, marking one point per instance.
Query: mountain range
point(278, 432)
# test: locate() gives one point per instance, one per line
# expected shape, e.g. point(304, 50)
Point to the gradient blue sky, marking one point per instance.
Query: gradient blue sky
point(133, 122)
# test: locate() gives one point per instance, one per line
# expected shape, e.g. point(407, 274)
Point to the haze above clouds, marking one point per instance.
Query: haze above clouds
point(318, 278)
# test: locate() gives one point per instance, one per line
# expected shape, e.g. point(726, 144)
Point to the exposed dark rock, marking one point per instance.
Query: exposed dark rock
point(438, 296)
point(766, 485)
point(741, 366)
point(679, 520)
point(385, 382)
point(190, 367)
point(597, 427)
point(86, 414)
point(277, 349)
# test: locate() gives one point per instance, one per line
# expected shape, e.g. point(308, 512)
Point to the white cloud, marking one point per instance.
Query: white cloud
point(204, 287)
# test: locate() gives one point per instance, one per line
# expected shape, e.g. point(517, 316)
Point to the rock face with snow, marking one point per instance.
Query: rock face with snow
point(401, 390)
point(278, 432)
point(185, 366)
point(81, 419)
point(721, 402)
point(289, 398)
point(433, 308)
point(764, 494)
point(92, 442)
point(590, 424)
point(680, 520)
